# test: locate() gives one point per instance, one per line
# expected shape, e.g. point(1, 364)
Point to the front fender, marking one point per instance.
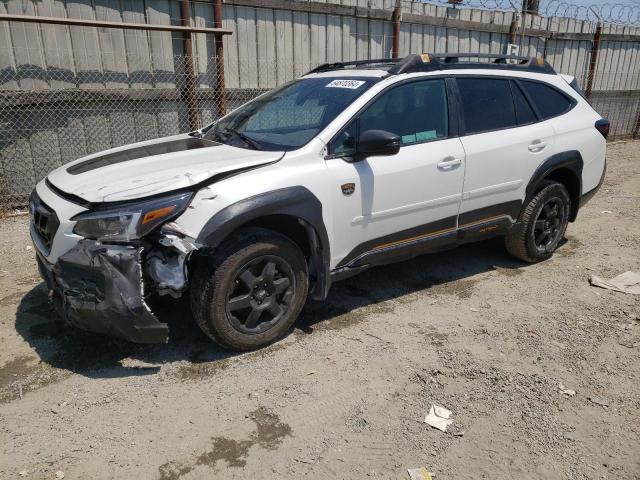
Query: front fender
point(297, 202)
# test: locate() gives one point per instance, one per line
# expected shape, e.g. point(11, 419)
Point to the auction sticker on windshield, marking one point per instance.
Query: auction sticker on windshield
point(352, 84)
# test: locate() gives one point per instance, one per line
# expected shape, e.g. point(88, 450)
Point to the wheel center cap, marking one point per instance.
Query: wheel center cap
point(261, 295)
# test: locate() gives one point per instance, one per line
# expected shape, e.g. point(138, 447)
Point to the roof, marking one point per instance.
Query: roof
point(429, 62)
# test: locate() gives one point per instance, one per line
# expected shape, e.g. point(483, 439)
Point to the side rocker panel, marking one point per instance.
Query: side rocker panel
point(296, 202)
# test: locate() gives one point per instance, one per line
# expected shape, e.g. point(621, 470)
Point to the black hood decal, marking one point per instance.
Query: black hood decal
point(169, 146)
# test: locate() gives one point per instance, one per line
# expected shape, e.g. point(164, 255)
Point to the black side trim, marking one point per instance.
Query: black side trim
point(404, 236)
point(483, 229)
point(429, 238)
point(570, 161)
point(508, 208)
point(168, 146)
point(296, 202)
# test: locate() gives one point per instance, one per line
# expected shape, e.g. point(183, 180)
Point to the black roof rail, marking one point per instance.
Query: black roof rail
point(326, 67)
point(428, 62)
point(500, 61)
point(416, 63)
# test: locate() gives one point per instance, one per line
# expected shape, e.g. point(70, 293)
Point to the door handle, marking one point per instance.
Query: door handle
point(449, 163)
point(537, 146)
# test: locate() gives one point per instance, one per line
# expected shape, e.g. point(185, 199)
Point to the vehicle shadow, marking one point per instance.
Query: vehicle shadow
point(99, 356)
point(449, 272)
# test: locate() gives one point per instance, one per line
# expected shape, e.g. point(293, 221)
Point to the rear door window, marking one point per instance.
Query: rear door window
point(487, 104)
point(549, 101)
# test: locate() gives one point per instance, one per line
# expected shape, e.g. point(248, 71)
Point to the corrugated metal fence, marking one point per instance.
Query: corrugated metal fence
point(67, 91)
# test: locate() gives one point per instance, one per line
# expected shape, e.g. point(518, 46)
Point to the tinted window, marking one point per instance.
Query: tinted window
point(548, 100)
point(345, 142)
point(288, 117)
point(486, 104)
point(524, 112)
point(574, 85)
point(416, 112)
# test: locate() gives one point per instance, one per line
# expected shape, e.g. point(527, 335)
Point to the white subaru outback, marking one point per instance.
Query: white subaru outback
point(354, 165)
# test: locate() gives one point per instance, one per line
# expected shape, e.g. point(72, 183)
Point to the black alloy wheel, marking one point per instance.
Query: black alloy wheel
point(548, 224)
point(260, 294)
point(251, 291)
point(541, 224)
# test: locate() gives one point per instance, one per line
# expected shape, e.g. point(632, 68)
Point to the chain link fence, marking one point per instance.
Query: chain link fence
point(61, 100)
point(42, 129)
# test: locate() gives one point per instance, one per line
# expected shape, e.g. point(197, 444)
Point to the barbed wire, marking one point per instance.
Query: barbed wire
point(610, 12)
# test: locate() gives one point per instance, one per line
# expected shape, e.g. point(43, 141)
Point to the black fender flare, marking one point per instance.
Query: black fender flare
point(570, 160)
point(297, 202)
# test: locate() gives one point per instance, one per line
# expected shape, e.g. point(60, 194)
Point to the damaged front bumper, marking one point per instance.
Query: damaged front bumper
point(99, 288)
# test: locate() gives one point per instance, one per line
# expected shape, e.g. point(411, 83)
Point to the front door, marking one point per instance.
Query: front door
point(383, 201)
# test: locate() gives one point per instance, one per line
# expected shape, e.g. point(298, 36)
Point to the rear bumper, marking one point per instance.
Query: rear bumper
point(99, 288)
point(590, 194)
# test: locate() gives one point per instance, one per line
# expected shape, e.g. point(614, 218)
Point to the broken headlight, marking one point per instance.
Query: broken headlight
point(129, 221)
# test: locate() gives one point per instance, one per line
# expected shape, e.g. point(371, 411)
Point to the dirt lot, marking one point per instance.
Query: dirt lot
point(345, 395)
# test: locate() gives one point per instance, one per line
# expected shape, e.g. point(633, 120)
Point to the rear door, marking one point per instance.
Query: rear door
point(504, 142)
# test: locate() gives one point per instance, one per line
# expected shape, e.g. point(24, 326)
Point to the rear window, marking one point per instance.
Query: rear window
point(486, 104)
point(549, 101)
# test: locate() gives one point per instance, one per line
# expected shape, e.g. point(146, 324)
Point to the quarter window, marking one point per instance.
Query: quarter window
point(549, 101)
point(486, 104)
point(417, 112)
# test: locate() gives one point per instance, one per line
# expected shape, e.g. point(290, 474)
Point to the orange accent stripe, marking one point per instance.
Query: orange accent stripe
point(424, 235)
point(484, 220)
point(438, 232)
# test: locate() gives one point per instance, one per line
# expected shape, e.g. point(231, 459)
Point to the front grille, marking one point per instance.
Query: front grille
point(44, 220)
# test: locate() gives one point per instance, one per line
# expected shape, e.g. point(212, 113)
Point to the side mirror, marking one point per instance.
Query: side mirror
point(378, 143)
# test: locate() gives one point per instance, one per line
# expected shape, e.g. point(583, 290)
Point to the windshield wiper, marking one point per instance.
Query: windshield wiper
point(245, 138)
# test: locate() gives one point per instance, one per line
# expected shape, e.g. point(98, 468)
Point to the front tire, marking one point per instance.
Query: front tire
point(542, 224)
point(252, 292)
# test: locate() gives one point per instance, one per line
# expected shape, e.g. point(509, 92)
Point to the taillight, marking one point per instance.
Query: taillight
point(602, 126)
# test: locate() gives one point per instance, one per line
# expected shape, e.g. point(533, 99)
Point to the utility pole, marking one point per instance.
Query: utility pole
point(221, 99)
point(531, 6)
point(189, 90)
point(397, 19)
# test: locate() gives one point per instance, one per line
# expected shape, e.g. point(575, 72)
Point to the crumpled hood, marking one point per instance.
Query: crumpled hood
point(152, 167)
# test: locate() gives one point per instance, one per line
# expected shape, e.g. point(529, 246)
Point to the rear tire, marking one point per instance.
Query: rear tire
point(542, 224)
point(252, 292)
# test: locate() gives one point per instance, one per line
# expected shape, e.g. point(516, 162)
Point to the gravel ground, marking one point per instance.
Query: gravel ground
point(345, 394)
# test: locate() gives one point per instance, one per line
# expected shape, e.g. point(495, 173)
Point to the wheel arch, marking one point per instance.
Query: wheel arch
point(294, 212)
point(565, 168)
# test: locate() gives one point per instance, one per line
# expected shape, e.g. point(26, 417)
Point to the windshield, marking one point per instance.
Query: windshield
point(290, 116)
